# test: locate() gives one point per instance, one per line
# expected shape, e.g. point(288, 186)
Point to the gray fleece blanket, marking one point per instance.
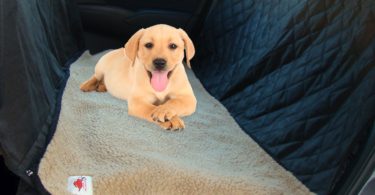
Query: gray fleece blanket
point(126, 155)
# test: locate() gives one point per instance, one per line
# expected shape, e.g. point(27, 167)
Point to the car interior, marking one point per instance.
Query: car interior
point(298, 77)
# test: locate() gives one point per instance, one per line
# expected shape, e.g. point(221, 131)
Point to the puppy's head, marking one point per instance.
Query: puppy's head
point(160, 48)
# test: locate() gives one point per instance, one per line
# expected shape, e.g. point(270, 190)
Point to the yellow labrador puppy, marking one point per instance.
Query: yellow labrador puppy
point(148, 72)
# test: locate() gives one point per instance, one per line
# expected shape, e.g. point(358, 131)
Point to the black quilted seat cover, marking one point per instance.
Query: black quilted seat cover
point(298, 76)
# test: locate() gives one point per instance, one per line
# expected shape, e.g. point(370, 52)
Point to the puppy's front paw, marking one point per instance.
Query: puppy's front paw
point(162, 114)
point(174, 124)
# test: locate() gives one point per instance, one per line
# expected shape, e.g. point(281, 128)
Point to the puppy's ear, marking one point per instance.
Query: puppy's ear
point(131, 47)
point(189, 47)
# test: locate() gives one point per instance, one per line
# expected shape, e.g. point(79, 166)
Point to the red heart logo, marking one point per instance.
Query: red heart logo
point(78, 184)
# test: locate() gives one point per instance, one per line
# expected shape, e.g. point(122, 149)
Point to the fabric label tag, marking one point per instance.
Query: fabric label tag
point(80, 185)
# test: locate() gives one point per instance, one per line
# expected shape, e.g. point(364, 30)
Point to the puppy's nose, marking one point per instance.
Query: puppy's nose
point(159, 63)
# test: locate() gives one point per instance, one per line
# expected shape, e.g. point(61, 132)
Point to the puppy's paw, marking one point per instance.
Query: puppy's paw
point(87, 86)
point(174, 124)
point(162, 113)
point(101, 88)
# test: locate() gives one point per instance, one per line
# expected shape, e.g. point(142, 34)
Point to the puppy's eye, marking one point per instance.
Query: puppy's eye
point(172, 46)
point(149, 45)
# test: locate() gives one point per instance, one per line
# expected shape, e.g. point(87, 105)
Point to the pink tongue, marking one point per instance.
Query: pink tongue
point(159, 80)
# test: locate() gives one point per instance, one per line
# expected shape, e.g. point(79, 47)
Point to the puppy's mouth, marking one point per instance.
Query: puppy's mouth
point(159, 79)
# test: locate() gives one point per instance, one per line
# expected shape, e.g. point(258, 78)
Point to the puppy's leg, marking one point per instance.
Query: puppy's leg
point(101, 87)
point(183, 105)
point(142, 109)
point(169, 113)
point(89, 85)
point(139, 108)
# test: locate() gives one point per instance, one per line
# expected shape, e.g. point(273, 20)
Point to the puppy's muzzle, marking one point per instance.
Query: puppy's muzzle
point(159, 63)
